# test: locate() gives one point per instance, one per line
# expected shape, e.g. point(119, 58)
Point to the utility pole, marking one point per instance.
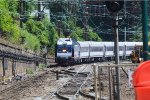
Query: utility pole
point(39, 9)
point(116, 50)
point(3, 65)
point(95, 81)
point(85, 14)
point(21, 13)
point(125, 38)
point(114, 7)
point(59, 27)
point(145, 28)
point(49, 7)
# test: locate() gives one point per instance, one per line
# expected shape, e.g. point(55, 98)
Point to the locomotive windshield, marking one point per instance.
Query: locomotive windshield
point(64, 48)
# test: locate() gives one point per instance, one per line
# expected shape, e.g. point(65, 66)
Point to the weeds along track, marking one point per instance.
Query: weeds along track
point(23, 86)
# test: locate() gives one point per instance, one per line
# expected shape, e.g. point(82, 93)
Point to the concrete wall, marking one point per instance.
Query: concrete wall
point(9, 48)
point(20, 68)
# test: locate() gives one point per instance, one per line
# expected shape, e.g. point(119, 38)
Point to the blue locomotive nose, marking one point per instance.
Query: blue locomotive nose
point(62, 59)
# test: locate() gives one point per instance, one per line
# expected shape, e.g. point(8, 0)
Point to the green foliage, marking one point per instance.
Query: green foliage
point(38, 29)
point(44, 31)
point(15, 34)
point(51, 31)
point(31, 41)
point(12, 5)
point(41, 33)
point(6, 19)
point(58, 7)
point(30, 6)
point(42, 66)
point(29, 71)
point(137, 36)
point(77, 34)
point(92, 36)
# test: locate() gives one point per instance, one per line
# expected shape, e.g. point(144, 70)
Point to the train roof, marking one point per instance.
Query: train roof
point(84, 43)
point(109, 43)
point(133, 43)
point(93, 43)
point(68, 41)
point(139, 43)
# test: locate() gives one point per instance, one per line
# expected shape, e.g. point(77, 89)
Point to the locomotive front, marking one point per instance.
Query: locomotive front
point(64, 51)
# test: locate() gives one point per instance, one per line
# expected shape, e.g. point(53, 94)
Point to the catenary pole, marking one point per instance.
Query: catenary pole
point(145, 29)
point(116, 51)
point(21, 13)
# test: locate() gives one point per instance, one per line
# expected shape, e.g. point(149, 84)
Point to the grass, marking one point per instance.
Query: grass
point(42, 66)
point(29, 71)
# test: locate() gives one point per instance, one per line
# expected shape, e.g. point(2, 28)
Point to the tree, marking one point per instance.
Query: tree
point(137, 36)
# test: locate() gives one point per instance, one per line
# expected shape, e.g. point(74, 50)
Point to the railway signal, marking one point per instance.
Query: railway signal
point(114, 6)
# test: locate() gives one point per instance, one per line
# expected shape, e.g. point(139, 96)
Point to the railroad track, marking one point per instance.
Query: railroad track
point(71, 89)
point(66, 88)
point(22, 86)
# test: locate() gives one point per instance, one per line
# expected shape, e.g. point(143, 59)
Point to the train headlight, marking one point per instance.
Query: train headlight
point(64, 50)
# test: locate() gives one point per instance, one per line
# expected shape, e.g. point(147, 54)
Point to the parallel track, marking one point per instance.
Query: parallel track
point(21, 87)
point(71, 89)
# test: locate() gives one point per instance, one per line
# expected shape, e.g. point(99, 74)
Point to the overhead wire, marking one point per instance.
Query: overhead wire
point(80, 18)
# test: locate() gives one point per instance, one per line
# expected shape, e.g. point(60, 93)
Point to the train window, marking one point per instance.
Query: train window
point(64, 48)
point(84, 49)
point(93, 49)
point(110, 48)
point(130, 47)
point(120, 48)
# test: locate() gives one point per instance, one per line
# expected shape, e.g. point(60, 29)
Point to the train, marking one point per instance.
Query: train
point(70, 51)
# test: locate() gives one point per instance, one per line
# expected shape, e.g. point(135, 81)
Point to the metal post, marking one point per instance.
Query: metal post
point(39, 10)
point(109, 72)
point(59, 26)
point(49, 6)
point(99, 80)
point(113, 81)
point(85, 23)
point(13, 67)
point(125, 34)
point(21, 13)
point(116, 51)
point(125, 24)
point(145, 28)
point(95, 81)
point(116, 38)
point(3, 64)
point(36, 64)
point(57, 76)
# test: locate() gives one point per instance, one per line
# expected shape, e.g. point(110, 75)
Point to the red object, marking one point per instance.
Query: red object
point(141, 81)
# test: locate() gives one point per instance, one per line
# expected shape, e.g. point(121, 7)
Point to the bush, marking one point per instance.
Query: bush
point(42, 66)
point(29, 71)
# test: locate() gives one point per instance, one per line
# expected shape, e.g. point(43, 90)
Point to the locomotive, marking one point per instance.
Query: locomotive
point(70, 51)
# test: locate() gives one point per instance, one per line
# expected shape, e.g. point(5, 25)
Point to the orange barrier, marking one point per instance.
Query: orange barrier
point(141, 81)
